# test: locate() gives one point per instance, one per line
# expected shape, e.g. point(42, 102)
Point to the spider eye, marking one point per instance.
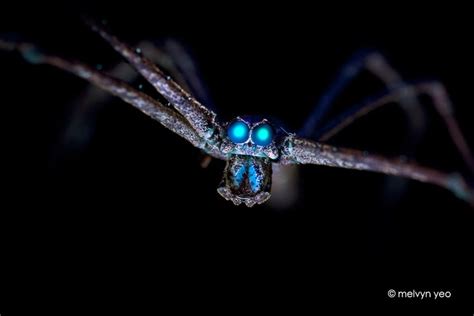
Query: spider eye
point(262, 135)
point(238, 132)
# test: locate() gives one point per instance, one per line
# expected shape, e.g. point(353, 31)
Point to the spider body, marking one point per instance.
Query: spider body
point(250, 147)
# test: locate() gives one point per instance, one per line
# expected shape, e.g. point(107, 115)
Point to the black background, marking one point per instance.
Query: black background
point(134, 220)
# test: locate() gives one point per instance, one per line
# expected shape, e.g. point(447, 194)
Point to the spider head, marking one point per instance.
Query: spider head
point(251, 139)
point(247, 179)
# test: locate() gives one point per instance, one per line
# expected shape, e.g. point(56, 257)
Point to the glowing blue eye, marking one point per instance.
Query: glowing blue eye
point(238, 132)
point(262, 135)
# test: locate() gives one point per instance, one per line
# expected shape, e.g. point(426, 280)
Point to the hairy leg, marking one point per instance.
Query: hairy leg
point(303, 151)
point(176, 58)
point(80, 123)
point(165, 115)
point(440, 100)
point(200, 117)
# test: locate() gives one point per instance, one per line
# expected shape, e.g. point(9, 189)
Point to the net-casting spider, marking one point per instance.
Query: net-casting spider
point(251, 147)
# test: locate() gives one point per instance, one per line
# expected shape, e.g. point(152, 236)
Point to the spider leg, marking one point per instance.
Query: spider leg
point(166, 116)
point(200, 117)
point(302, 151)
point(80, 122)
point(375, 63)
point(441, 102)
point(173, 56)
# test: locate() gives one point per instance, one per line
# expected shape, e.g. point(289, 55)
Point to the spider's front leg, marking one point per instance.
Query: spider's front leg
point(153, 108)
point(199, 117)
point(79, 125)
point(302, 151)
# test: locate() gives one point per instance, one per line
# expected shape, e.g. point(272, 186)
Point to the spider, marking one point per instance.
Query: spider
point(252, 147)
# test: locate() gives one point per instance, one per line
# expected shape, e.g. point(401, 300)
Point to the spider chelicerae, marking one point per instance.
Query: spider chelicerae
point(252, 147)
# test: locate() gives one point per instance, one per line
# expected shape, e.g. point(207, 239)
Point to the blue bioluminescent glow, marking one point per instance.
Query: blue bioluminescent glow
point(238, 132)
point(262, 135)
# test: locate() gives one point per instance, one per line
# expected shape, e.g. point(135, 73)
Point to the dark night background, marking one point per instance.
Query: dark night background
point(134, 220)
